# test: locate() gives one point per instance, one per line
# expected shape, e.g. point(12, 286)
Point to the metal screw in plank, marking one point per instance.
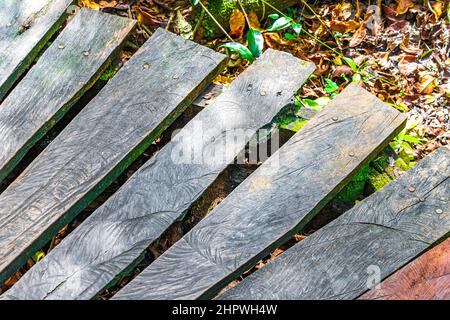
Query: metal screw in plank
point(411, 189)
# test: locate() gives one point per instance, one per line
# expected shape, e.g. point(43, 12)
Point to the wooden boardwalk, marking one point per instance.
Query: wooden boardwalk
point(380, 234)
point(25, 28)
point(397, 236)
point(63, 73)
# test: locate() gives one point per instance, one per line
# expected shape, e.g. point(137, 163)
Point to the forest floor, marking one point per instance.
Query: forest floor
point(399, 52)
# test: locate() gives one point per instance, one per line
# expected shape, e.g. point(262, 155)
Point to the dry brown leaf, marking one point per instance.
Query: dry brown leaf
point(407, 64)
point(237, 23)
point(359, 36)
point(145, 18)
point(426, 84)
point(344, 11)
point(403, 6)
point(408, 47)
point(343, 26)
point(254, 21)
point(107, 4)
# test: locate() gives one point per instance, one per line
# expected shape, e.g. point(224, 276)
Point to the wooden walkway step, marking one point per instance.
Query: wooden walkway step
point(25, 28)
point(63, 73)
point(365, 245)
point(116, 235)
point(275, 202)
point(146, 95)
point(426, 278)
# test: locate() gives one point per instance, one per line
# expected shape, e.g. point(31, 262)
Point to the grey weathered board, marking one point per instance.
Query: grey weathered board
point(115, 235)
point(60, 77)
point(366, 244)
point(25, 28)
point(276, 201)
point(145, 96)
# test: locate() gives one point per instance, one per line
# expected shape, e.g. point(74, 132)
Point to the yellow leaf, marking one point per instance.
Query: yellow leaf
point(237, 23)
point(404, 6)
point(91, 4)
point(438, 8)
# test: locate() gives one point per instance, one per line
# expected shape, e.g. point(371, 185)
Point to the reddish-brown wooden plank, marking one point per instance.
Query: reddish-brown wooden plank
point(426, 278)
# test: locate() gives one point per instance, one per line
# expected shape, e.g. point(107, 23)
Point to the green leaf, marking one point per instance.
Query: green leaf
point(289, 36)
point(351, 63)
point(195, 2)
point(255, 42)
point(356, 78)
point(412, 139)
point(331, 86)
point(297, 28)
point(38, 256)
point(317, 104)
point(274, 16)
point(243, 51)
point(280, 23)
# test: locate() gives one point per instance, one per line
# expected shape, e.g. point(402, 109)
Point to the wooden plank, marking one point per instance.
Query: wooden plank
point(115, 235)
point(146, 95)
point(426, 278)
point(366, 244)
point(63, 73)
point(275, 202)
point(25, 28)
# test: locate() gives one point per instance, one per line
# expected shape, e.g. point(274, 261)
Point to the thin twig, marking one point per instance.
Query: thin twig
point(215, 21)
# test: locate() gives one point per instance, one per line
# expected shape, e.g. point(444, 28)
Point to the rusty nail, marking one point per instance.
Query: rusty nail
point(335, 118)
point(422, 199)
point(146, 65)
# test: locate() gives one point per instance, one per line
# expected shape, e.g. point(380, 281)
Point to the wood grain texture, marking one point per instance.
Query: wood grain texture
point(25, 28)
point(145, 96)
point(116, 234)
point(363, 246)
point(426, 278)
point(274, 202)
point(63, 73)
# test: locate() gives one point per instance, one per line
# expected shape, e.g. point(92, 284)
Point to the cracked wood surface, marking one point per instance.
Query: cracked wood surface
point(130, 112)
point(62, 74)
point(426, 278)
point(275, 202)
point(365, 245)
point(25, 28)
point(117, 233)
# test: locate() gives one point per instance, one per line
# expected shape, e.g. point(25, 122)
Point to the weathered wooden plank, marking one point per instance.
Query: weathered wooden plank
point(115, 235)
point(366, 244)
point(63, 73)
point(25, 28)
point(146, 95)
point(276, 201)
point(426, 278)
